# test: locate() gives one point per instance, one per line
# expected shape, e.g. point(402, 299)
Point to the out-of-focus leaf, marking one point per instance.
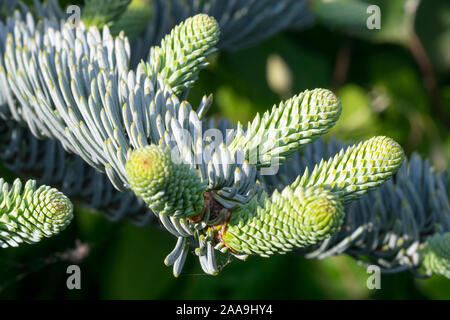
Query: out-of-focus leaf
point(133, 267)
point(435, 287)
point(234, 106)
point(341, 14)
point(433, 28)
point(358, 120)
point(280, 277)
point(397, 21)
point(279, 76)
point(241, 77)
point(397, 18)
point(341, 277)
point(134, 19)
point(6, 174)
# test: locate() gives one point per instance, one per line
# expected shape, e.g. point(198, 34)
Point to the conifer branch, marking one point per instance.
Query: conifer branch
point(75, 85)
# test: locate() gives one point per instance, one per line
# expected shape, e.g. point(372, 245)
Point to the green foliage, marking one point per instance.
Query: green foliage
point(344, 14)
point(134, 19)
point(396, 18)
point(435, 36)
point(103, 12)
point(30, 214)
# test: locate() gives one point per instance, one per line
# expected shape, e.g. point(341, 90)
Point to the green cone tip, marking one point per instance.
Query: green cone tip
point(356, 170)
point(169, 188)
point(30, 215)
point(184, 52)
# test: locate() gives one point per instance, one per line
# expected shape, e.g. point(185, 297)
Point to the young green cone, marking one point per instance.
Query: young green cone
point(173, 189)
point(31, 214)
point(295, 218)
point(184, 52)
point(288, 127)
point(358, 169)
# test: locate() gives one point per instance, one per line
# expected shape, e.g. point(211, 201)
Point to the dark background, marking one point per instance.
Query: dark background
point(388, 86)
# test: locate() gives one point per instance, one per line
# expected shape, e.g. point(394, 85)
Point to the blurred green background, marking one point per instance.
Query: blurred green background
point(393, 82)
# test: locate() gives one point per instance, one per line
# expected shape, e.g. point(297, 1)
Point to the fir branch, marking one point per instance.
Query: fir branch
point(98, 108)
point(88, 99)
point(48, 163)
